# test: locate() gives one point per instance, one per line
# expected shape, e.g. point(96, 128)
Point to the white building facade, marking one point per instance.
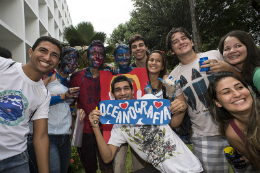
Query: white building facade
point(23, 21)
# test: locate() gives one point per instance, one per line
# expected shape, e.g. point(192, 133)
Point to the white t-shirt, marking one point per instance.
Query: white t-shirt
point(19, 98)
point(194, 85)
point(158, 145)
point(59, 121)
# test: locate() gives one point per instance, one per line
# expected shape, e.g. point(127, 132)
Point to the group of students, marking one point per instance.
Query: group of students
point(36, 116)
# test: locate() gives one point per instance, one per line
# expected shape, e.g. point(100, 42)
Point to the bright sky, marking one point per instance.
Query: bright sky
point(105, 15)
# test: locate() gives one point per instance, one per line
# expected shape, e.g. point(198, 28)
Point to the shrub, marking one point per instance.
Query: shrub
point(75, 163)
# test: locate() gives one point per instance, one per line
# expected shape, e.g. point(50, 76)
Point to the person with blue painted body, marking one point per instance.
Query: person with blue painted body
point(60, 119)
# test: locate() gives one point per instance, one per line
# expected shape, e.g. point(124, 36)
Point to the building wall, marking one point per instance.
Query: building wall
point(23, 21)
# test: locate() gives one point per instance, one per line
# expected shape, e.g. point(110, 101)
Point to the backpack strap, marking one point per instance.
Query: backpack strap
point(11, 65)
point(37, 108)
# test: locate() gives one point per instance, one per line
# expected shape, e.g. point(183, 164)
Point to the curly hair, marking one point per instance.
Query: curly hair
point(223, 117)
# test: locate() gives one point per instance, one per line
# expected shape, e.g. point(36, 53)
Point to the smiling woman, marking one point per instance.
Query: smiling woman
point(156, 68)
point(233, 105)
point(239, 49)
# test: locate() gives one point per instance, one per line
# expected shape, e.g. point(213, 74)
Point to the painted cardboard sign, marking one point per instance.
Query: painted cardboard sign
point(148, 112)
point(138, 77)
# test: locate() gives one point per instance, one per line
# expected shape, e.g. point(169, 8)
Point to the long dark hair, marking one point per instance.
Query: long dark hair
point(223, 117)
point(253, 53)
point(162, 72)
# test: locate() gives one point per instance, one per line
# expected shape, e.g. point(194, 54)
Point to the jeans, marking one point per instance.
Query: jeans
point(60, 152)
point(17, 163)
point(89, 152)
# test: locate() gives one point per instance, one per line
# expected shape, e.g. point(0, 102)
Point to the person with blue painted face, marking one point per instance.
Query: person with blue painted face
point(122, 56)
point(60, 119)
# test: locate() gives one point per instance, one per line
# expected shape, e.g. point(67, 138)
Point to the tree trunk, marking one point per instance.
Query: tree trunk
point(195, 26)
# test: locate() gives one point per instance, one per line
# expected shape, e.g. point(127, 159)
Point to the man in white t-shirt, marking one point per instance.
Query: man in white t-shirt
point(208, 145)
point(156, 144)
point(24, 98)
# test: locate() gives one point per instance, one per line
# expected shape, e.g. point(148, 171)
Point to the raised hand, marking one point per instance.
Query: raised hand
point(72, 93)
point(148, 88)
point(170, 85)
point(94, 118)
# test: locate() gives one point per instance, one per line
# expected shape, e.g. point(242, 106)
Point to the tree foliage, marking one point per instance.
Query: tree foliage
point(155, 18)
point(82, 35)
point(217, 18)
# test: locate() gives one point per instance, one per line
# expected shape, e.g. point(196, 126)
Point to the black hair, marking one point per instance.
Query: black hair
point(162, 72)
point(49, 39)
point(136, 37)
point(252, 60)
point(5, 52)
point(173, 31)
point(96, 43)
point(65, 51)
point(120, 78)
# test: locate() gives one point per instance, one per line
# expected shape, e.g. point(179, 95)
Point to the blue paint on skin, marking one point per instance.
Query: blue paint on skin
point(55, 100)
point(70, 61)
point(123, 58)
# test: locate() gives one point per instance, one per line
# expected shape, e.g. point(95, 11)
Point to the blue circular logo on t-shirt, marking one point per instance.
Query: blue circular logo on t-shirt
point(12, 107)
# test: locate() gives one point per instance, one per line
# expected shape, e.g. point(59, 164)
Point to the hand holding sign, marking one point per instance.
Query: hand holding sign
point(94, 118)
point(170, 85)
point(151, 111)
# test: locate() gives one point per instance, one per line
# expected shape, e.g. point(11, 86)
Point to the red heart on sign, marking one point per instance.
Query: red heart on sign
point(157, 104)
point(123, 105)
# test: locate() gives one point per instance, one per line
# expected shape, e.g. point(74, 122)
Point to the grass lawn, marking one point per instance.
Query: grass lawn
point(129, 161)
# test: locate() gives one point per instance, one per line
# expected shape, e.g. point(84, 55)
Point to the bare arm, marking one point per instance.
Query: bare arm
point(219, 66)
point(41, 144)
point(178, 108)
point(238, 144)
point(106, 151)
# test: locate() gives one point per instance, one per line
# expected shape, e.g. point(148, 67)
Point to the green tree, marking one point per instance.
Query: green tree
point(82, 35)
point(154, 19)
point(217, 18)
